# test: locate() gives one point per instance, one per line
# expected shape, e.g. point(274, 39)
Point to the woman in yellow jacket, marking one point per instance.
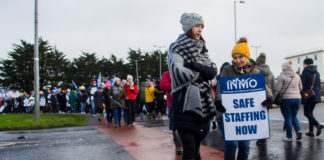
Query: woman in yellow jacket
point(149, 99)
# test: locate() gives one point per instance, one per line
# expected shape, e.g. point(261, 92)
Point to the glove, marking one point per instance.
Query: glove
point(220, 107)
point(200, 79)
point(190, 65)
point(267, 103)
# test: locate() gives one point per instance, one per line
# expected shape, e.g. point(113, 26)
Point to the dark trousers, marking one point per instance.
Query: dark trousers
point(131, 110)
point(159, 106)
point(308, 112)
point(191, 143)
point(150, 107)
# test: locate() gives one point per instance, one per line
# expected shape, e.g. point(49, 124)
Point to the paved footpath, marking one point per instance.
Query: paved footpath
point(145, 143)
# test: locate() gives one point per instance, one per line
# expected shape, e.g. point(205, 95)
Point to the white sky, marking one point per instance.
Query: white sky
point(281, 27)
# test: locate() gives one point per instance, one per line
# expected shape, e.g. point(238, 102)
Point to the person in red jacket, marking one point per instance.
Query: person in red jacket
point(131, 93)
point(165, 85)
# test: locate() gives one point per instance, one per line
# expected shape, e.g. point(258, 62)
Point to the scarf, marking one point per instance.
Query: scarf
point(191, 50)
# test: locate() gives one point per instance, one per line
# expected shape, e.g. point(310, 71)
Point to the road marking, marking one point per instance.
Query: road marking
point(301, 121)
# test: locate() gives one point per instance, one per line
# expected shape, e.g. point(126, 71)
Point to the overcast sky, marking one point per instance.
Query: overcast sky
point(281, 27)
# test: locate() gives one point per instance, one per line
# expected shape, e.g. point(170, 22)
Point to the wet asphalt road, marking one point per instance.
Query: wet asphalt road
point(72, 143)
point(275, 149)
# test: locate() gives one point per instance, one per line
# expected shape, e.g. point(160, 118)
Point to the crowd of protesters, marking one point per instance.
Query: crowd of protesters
point(120, 99)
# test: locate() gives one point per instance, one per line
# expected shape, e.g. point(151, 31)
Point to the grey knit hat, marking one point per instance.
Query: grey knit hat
point(189, 20)
point(261, 59)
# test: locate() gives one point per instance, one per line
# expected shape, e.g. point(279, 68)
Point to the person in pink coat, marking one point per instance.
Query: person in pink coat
point(165, 85)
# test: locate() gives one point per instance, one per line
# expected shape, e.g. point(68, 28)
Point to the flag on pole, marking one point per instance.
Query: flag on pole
point(104, 113)
point(56, 90)
point(113, 81)
point(76, 87)
point(99, 80)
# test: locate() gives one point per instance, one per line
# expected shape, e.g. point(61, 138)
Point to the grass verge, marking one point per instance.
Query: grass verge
point(26, 121)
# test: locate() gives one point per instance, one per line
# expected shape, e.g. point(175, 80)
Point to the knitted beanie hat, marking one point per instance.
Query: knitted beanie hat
point(242, 47)
point(108, 84)
point(308, 61)
point(286, 65)
point(261, 59)
point(129, 76)
point(189, 20)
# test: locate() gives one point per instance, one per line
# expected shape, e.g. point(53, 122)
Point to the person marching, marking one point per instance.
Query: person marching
point(242, 65)
point(149, 99)
point(131, 92)
point(99, 101)
point(265, 69)
point(289, 85)
point(90, 92)
point(107, 102)
point(311, 80)
point(117, 102)
point(165, 85)
point(190, 69)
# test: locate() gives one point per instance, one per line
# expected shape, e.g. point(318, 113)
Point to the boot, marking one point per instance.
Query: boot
point(310, 134)
point(319, 129)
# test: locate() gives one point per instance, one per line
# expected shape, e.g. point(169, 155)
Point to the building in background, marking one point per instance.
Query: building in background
point(317, 56)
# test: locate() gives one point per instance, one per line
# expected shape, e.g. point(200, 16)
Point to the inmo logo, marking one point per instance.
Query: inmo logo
point(241, 84)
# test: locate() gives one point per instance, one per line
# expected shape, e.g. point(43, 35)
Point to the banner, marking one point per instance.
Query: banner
point(245, 117)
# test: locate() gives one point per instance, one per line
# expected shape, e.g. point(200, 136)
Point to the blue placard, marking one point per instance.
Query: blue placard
point(245, 117)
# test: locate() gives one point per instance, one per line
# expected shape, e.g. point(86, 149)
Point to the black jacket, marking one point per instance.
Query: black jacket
point(307, 80)
point(185, 121)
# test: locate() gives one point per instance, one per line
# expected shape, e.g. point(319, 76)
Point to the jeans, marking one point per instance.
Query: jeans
point(131, 105)
point(191, 143)
point(28, 109)
point(117, 115)
point(289, 109)
point(93, 107)
point(82, 104)
point(308, 112)
point(124, 115)
point(230, 147)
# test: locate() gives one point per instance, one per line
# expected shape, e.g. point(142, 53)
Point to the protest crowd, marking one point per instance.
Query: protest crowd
point(192, 80)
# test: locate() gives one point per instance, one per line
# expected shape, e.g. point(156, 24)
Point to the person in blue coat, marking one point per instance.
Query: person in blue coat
point(309, 73)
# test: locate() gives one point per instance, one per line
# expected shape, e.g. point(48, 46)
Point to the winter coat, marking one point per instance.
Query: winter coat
point(99, 99)
point(190, 70)
point(159, 94)
point(120, 97)
point(61, 97)
point(294, 88)
point(83, 97)
point(307, 80)
point(91, 91)
point(131, 93)
point(165, 85)
point(106, 96)
point(73, 98)
point(54, 100)
point(149, 94)
point(265, 69)
point(142, 92)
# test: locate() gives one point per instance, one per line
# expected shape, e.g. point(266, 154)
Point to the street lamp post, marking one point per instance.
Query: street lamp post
point(36, 65)
point(256, 50)
point(235, 1)
point(160, 56)
point(136, 61)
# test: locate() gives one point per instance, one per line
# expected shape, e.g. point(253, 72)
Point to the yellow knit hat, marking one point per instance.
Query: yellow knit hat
point(242, 47)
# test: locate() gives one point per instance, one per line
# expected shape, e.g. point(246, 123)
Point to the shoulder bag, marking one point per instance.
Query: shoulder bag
point(309, 93)
point(278, 99)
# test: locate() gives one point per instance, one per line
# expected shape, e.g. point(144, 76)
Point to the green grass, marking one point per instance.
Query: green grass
point(26, 121)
